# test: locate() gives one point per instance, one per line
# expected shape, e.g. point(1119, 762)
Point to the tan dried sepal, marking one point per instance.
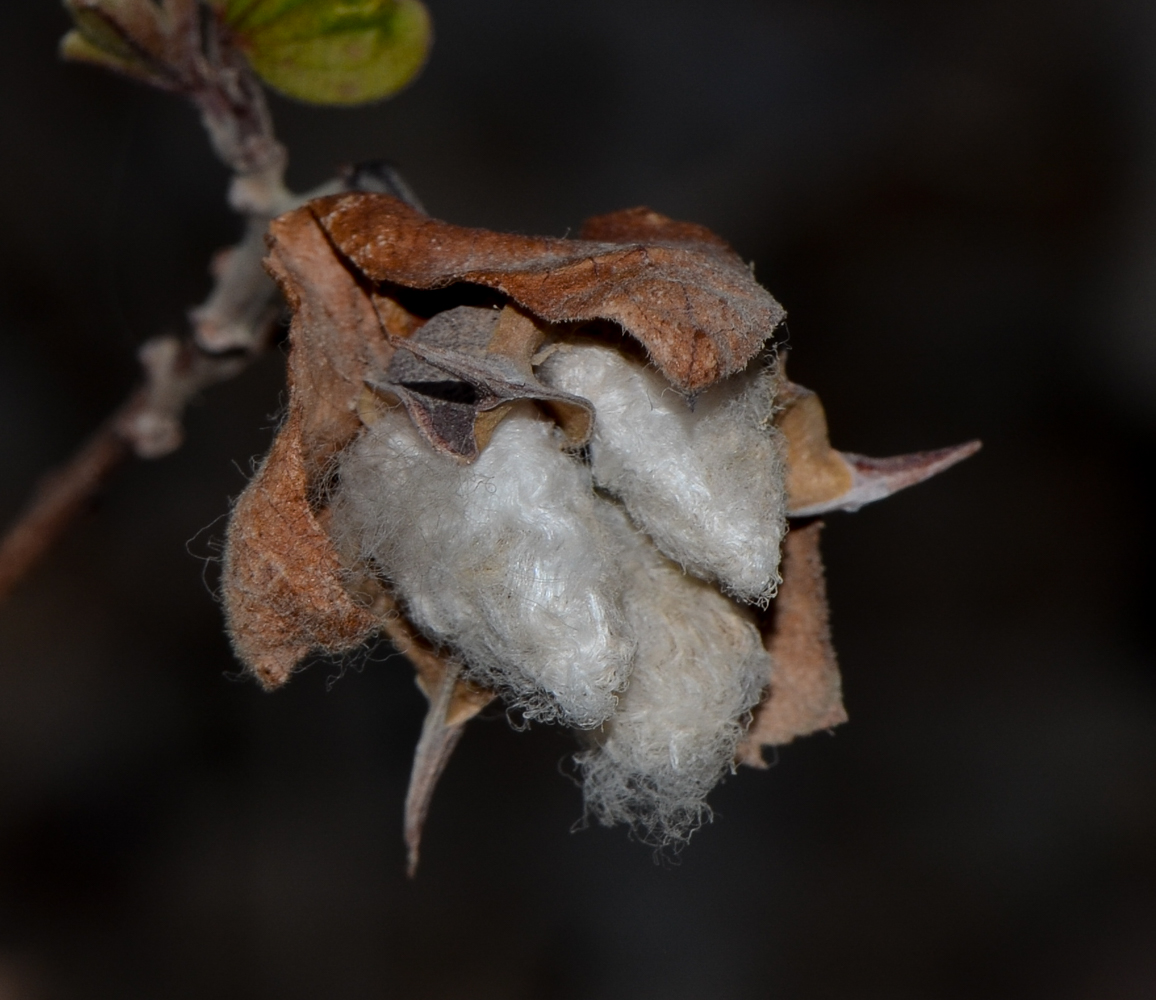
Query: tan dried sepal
point(821, 479)
point(691, 302)
point(806, 692)
point(816, 472)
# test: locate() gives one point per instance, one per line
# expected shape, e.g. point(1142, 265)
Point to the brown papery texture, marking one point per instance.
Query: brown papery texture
point(283, 583)
point(644, 225)
point(806, 692)
point(282, 586)
point(686, 296)
point(816, 472)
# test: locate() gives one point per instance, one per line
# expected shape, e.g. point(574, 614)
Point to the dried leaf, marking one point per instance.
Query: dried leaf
point(821, 479)
point(693, 304)
point(806, 693)
point(283, 581)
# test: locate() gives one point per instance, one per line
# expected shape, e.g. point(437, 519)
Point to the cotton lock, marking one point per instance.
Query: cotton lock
point(706, 482)
point(701, 667)
point(509, 561)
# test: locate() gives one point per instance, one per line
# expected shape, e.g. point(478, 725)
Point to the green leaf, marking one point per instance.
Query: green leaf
point(331, 51)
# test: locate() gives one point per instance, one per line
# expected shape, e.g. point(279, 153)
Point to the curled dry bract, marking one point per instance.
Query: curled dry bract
point(679, 290)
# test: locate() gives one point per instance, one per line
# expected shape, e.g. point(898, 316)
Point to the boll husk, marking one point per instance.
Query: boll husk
point(622, 588)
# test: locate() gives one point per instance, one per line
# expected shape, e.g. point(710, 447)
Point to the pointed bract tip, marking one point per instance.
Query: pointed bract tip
point(876, 478)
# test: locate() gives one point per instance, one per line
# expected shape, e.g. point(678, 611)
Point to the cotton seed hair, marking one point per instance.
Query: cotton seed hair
point(707, 484)
point(508, 561)
point(548, 593)
point(701, 668)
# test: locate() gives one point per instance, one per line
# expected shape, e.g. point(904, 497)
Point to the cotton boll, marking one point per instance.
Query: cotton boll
point(700, 669)
point(508, 561)
point(707, 484)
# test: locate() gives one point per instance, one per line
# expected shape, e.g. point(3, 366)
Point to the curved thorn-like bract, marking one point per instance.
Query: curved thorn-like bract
point(875, 478)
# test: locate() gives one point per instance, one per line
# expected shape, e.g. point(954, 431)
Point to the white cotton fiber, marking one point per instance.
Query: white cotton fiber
point(508, 561)
point(707, 484)
point(699, 671)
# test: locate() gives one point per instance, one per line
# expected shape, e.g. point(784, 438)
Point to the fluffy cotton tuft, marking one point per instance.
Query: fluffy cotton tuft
point(548, 593)
point(700, 669)
point(509, 561)
point(707, 484)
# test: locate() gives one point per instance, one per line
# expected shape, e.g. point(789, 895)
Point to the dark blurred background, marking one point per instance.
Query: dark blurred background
point(956, 201)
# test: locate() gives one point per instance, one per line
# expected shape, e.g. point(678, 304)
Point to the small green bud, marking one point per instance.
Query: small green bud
point(121, 35)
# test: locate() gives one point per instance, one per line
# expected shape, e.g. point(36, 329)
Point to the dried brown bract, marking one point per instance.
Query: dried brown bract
point(680, 290)
point(476, 464)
